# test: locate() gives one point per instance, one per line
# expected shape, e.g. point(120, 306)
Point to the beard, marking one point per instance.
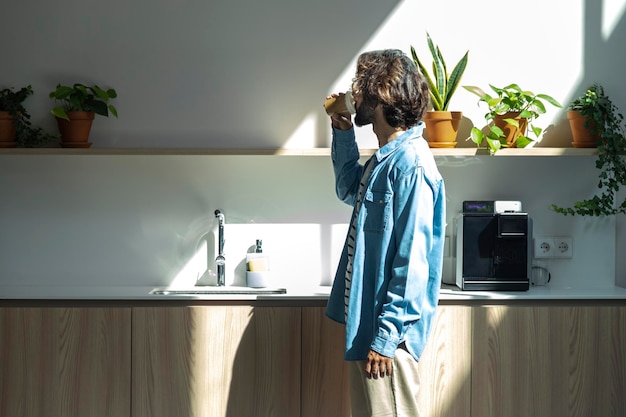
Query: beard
point(365, 113)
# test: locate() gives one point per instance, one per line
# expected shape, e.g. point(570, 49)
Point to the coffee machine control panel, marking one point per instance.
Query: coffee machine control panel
point(491, 206)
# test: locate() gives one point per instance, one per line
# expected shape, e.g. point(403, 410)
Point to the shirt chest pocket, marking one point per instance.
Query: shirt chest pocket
point(377, 211)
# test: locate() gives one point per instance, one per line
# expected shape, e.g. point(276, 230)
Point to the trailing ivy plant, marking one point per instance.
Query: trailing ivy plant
point(605, 120)
point(26, 135)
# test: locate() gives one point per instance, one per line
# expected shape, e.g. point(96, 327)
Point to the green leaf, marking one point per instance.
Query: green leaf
point(455, 78)
point(81, 88)
point(512, 122)
point(526, 114)
point(61, 92)
point(536, 130)
point(523, 141)
point(540, 108)
point(495, 101)
point(438, 68)
point(100, 107)
point(100, 93)
point(497, 132)
point(476, 90)
point(477, 136)
point(60, 113)
point(509, 87)
point(494, 145)
point(75, 103)
point(549, 99)
point(429, 81)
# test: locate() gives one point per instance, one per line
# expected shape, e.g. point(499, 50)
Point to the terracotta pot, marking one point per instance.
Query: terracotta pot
point(7, 130)
point(582, 136)
point(442, 128)
point(75, 132)
point(511, 133)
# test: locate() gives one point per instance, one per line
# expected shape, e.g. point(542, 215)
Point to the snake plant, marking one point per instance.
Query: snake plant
point(442, 85)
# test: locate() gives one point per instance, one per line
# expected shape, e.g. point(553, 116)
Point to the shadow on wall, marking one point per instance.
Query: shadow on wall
point(598, 54)
point(213, 76)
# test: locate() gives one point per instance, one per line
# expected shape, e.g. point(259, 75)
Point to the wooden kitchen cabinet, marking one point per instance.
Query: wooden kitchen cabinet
point(64, 362)
point(549, 361)
point(543, 359)
point(212, 361)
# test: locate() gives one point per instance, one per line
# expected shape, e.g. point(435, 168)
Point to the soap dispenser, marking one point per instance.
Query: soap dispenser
point(257, 267)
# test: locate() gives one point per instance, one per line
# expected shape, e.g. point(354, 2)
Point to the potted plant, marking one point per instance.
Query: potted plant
point(78, 104)
point(584, 113)
point(15, 126)
point(606, 125)
point(13, 115)
point(511, 111)
point(441, 125)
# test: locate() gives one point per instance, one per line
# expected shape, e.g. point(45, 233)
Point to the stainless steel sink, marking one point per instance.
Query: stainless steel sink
point(228, 290)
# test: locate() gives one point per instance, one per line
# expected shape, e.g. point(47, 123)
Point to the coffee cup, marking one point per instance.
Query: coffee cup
point(341, 103)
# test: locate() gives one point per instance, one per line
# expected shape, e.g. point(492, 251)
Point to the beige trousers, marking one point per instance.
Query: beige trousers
point(395, 396)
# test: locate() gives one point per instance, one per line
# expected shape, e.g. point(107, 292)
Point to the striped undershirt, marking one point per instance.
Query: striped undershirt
point(352, 232)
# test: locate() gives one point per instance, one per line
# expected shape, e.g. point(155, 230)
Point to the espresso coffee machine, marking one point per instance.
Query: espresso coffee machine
point(493, 250)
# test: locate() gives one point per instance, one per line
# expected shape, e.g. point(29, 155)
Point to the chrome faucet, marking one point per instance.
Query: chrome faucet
point(220, 260)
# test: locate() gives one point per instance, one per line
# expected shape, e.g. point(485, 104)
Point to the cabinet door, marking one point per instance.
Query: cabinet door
point(64, 362)
point(325, 383)
point(549, 361)
point(214, 361)
point(444, 367)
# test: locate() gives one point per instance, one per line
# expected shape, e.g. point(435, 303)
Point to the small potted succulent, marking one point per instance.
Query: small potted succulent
point(604, 126)
point(441, 125)
point(78, 104)
point(510, 112)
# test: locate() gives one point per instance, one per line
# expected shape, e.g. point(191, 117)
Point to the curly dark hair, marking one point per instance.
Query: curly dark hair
point(390, 78)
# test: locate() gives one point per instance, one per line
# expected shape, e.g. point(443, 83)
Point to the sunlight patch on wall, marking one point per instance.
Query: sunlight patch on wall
point(304, 135)
point(193, 269)
point(612, 13)
point(338, 233)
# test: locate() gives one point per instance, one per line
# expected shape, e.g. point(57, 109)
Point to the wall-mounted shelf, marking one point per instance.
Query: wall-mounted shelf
point(455, 152)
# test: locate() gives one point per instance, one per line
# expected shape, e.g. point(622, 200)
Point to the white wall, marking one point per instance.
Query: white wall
point(254, 74)
point(141, 220)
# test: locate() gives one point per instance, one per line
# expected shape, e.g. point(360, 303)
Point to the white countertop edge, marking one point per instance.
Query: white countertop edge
point(546, 292)
point(448, 293)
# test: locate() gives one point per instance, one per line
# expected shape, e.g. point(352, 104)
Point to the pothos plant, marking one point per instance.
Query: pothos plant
point(80, 97)
point(603, 119)
point(509, 99)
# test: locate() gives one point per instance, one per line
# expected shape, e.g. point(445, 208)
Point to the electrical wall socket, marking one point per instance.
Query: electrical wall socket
point(553, 247)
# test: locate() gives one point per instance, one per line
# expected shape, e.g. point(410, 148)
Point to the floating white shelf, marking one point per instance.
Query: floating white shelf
point(459, 152)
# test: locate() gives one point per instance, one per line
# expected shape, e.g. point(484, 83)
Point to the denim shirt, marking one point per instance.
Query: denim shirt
point(396, 272)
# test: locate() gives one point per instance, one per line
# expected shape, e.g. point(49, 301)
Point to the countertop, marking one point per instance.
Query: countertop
point(449, 294)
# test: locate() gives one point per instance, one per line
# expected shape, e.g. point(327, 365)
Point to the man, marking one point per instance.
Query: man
point(387, 284)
